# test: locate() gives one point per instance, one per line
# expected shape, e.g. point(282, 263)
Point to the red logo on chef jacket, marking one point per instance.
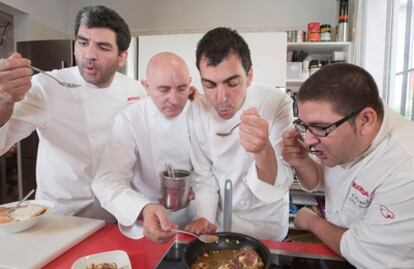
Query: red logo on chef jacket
point(131, 99)
point(361, 189)
point(388, 214)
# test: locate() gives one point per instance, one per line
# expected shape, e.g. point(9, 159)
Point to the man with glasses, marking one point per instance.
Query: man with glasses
point(364, 163)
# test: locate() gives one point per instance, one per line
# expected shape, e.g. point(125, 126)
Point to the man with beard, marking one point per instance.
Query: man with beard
point(145, 137)
point(250, 155)
point(73, 124)
point(363, 161)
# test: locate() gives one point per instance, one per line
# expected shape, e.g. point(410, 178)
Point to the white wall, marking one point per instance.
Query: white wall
point(55, 18)
point(183, 16)
point(373, 56)
point(46, 12)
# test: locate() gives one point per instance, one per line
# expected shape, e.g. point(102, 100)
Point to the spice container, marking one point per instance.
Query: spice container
point(314, 32)
point(315, 65)
point(325, 32)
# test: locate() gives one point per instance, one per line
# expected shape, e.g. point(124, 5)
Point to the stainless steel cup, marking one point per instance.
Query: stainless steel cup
point(175, 190)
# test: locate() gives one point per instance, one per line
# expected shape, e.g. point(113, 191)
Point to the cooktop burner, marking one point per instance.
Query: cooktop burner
point(172, 260)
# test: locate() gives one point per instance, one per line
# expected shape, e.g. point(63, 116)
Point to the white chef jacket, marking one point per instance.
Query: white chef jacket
point(143, 140)
point(73, 125)
point(259, 209)
point(373, 196)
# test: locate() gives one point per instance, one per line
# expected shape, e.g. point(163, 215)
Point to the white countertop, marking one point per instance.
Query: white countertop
point(53, 235)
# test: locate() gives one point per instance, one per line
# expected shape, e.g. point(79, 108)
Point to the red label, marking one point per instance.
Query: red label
point(133, 98)
point(360, 189)
point(388, 214)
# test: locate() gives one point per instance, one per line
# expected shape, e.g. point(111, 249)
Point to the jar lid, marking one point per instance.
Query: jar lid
point(325, 26)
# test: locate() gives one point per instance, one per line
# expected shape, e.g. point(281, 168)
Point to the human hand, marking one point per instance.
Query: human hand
point(292, 149)
point(254, 136)
point(157, 226)
point(201, 226)
point(193, 93)
point(304, 217)
point(15, 78)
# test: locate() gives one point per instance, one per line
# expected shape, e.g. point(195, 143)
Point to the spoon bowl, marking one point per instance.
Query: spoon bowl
point(206, 238)
point(229, 132)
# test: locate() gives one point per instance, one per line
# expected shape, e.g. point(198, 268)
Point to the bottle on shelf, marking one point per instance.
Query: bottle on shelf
point(343, 26)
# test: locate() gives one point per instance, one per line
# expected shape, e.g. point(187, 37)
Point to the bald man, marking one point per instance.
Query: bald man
point(146, 136)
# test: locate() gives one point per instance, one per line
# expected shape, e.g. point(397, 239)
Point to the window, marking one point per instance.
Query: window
point(401, 92)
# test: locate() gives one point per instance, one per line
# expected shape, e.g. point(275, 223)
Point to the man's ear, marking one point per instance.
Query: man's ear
point(122, 58)
point(249, 76)
point(367, 121)
point(145, 84)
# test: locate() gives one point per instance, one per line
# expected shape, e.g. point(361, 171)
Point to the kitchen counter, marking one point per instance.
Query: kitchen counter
point(145, 254)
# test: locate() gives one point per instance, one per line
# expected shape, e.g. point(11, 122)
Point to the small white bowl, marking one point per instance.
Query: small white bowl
point(119, 257)
point(19, 226)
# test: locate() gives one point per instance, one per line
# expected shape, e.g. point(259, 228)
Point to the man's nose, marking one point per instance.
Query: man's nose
point(310, 139)
point(91, 52)
point(173, 97)
point(221, 94)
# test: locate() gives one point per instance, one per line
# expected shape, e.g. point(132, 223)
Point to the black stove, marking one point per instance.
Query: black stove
point(172, 260)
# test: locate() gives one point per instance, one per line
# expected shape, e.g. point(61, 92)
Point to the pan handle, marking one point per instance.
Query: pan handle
point(228, 205)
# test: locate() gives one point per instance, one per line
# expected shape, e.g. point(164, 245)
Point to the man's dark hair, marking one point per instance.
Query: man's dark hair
point(218, 43)
point(103, 17)
point(346, 86)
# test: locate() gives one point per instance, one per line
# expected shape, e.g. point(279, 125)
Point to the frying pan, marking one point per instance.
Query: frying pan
point(227, 241)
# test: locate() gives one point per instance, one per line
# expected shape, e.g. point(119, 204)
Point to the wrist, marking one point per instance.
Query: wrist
point(6, 101)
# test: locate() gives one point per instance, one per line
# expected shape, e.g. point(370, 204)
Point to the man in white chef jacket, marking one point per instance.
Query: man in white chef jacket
point(365, 165)
point(73, 124)
point(145, 137)
point(250, 155)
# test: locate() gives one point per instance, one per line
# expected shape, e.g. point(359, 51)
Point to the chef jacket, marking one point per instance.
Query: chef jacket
point(73, 125)
point(373, 197)
point(128, 178)
point(259, 209)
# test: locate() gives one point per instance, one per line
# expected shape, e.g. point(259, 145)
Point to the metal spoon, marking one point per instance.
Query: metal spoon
point(229, 132)
point(64, 84)
point(206, 238)
point(309, 149)
point(20, 202)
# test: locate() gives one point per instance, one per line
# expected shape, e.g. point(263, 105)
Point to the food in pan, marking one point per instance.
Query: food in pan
point(243, 258)
point(23, 212)
point(102, 266)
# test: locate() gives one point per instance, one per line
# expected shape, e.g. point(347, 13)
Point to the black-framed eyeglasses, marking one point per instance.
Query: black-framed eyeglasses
point(319, 130)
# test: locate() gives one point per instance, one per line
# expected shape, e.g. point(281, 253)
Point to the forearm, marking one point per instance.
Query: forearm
point(309, 174)
point(266, 164)
point(328, 233)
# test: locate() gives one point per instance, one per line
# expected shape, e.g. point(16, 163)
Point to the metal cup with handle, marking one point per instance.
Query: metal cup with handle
point(175, 188)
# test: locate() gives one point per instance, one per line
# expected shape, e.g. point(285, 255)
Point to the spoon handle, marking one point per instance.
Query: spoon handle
point(21, 201)
point(44, 73)
point(228, 205)
point(184, 232)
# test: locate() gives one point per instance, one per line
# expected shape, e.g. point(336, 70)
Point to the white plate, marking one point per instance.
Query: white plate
point(19, 226)
point(119, 257)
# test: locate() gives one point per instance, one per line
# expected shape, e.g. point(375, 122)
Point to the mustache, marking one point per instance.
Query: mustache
point(90, 63)
point(223, 105)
